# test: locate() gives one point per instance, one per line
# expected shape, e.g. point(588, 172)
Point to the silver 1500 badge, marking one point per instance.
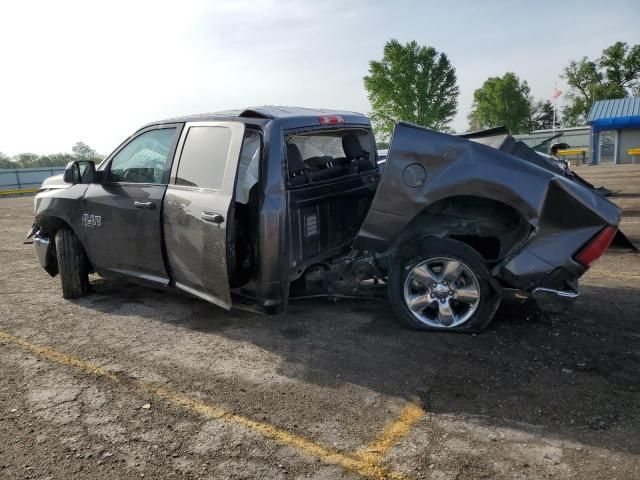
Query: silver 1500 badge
point(91, 220)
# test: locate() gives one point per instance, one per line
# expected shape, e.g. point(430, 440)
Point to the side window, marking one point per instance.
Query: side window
point(204, 157)
point(144, 158)
point(248, 166)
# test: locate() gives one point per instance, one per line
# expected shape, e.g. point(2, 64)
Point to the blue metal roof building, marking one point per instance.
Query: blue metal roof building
point(615, 129)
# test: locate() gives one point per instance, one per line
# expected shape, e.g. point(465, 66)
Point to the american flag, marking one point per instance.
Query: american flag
point(555, 94)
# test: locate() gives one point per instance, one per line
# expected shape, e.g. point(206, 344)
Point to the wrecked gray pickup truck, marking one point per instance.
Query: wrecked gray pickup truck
point(251, 208)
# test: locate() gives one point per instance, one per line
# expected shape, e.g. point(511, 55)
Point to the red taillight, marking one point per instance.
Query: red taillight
point(596, 247)
point(331, 120)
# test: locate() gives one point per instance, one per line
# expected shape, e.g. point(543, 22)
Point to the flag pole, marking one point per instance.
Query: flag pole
point(555, 103)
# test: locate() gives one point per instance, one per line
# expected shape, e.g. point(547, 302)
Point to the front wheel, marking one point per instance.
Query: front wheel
point(445, 286)
point(72, 264)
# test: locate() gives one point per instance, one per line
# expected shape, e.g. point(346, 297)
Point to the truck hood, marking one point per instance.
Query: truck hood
point(424, 167)
point(54, 183)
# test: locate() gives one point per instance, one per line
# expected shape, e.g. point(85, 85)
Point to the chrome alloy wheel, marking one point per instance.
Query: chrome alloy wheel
point(442, 292)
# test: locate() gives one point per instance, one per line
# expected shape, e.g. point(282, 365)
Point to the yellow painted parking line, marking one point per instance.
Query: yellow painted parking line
point(391, 435)
point(327, 455)
point(364, 466)
point(18, 190)
point(61, 358)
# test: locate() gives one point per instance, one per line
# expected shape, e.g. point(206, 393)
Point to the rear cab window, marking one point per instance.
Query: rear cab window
point(325, 155)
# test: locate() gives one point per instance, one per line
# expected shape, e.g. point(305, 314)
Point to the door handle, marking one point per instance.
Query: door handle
point(147, 205)
point(212, 217)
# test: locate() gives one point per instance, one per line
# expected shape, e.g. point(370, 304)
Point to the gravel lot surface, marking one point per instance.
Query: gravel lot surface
point(131, 382)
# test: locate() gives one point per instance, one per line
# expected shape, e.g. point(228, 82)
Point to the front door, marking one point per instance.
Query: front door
point(608, 146)
point(197, 208)
point(121, 217)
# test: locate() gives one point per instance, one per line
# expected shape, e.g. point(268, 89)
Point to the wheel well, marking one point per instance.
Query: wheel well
point(50, 226)
point(488, 247)
point(490, 227)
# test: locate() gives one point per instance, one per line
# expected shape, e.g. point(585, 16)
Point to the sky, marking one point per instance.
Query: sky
point(96, 71)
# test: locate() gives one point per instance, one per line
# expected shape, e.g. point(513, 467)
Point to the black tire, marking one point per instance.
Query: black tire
point(412, 256)
point(72, 264)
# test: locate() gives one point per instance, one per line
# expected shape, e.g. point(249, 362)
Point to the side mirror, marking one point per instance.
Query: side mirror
point(80, 171)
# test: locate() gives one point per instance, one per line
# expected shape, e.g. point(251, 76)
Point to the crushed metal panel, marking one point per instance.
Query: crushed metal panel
point(454, 166)
point(563, 213)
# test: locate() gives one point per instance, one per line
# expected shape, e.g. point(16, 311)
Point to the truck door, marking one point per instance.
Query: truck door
point(121, 216)
point(196, 208)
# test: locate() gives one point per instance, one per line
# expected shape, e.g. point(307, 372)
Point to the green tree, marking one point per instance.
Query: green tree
point(502, 101)
point(5, 161)
point(26, 160)
point(82, 151)
point(616, 74)
point(413, 83)
point(55, 160)
point(542, 115)
point(621, 65)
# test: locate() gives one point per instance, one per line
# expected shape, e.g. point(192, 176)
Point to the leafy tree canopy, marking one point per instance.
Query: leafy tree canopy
point(5, 161)
point(80, 151)
point(412, 83)
point(26, 160)
point(616, 74)
point(542, 115)
point(502, 101)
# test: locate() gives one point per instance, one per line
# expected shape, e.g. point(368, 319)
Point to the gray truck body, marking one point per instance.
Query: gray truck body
point(527, 217)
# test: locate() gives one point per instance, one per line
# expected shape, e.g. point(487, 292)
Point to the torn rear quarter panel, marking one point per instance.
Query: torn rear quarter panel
point(562, 214)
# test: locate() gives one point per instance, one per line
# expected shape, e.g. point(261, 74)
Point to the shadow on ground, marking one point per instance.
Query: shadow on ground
point(575, 375)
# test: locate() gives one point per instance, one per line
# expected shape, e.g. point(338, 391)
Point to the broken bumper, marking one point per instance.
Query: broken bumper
point(45, 252)
point(28, 239)
point(554, 301)
point(43, 249)
point(42, 245)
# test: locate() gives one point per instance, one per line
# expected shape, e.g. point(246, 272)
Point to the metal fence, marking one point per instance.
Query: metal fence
point(25, 180)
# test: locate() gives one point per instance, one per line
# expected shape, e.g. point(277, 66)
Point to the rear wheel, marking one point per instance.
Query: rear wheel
point(72, 264)
point(446, 286)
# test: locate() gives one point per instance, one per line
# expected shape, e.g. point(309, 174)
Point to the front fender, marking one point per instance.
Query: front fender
point(53, 207)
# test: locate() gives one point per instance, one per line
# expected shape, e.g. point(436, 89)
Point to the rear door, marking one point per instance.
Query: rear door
point(196, 208)
point(120, 222)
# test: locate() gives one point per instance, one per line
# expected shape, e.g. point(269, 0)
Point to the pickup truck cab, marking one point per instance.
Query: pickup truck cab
point(255, 206)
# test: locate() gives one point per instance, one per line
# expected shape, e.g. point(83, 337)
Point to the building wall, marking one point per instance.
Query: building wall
point(576, 138)
point(628, 138)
